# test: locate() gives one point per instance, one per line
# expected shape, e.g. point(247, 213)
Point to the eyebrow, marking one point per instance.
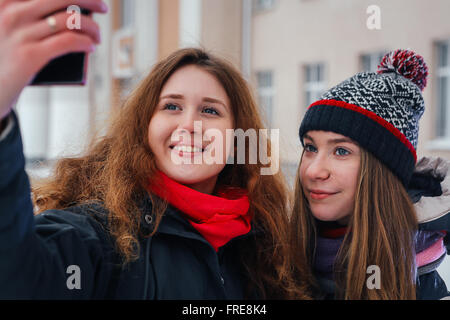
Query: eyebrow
point(205, 99)
point(172, 96)
point(333, 141)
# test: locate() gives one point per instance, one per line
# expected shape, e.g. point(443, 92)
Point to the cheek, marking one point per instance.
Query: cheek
point(349, 181)
point(229, 143)
point(152, 136)
point(351, 178)
point(221, 135)
point(302, 177)
point(302, 169)
point(157, 132)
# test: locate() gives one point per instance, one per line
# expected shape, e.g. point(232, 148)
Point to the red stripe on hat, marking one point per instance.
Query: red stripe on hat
point(391, 128)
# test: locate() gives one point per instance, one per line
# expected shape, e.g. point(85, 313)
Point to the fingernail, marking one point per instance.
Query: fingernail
point(104, 7)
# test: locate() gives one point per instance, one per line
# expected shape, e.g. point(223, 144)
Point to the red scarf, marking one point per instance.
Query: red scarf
point(333, 233)
point(217, 218)
point(331, 229)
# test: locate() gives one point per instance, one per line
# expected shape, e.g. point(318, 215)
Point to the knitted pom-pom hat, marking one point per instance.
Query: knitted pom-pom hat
point(380, 111)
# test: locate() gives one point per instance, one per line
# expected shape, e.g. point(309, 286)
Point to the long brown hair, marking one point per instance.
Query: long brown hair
point(382, 230)
point(116, 168)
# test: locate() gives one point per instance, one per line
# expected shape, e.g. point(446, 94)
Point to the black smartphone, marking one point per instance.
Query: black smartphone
point(69, 69)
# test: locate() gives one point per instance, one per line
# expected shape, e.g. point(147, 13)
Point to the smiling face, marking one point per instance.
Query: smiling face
point(190, 95)
point(329, 172)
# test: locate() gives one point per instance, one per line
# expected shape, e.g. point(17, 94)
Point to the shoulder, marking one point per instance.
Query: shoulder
point(430, 192)
point(430, 189)
point(86, 222)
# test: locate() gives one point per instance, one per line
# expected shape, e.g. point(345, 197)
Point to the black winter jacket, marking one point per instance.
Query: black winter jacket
point(69, 254)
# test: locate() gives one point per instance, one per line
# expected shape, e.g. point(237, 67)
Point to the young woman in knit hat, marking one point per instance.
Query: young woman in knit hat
point(355, 230)
point(125, 220)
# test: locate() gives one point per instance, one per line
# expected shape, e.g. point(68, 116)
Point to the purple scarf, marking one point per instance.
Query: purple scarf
point(327, 249)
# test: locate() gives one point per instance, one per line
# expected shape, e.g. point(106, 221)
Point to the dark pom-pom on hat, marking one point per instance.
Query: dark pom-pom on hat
point(407, 64)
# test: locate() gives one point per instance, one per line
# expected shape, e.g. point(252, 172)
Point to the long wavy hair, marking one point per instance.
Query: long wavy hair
point(381, 232)
point(118, 166)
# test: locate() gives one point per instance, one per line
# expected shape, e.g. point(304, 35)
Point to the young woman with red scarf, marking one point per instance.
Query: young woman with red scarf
point(131, 215)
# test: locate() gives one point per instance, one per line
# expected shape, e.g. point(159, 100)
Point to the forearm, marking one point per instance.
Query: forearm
point(16, 209)
point(36, 251)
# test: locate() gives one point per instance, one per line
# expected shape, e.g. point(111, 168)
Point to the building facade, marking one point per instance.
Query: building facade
point(308, 46)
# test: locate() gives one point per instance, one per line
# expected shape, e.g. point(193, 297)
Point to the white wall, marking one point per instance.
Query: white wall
point(99, 77)
point(147, 34)
point(33, 110)
point(190, 23)
point(68, 121)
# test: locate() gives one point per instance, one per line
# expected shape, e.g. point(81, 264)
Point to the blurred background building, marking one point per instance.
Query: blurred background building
point(289, 50)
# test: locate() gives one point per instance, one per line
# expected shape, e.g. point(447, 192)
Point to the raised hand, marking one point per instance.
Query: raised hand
point(33, 32)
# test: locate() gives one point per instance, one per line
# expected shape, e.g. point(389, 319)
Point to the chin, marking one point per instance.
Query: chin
point(325, 214)
point(325, 218)
point(329, 214)
point(190, 174)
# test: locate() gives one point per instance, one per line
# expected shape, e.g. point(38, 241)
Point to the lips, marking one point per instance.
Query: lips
point(320, 194)
point(187, 150)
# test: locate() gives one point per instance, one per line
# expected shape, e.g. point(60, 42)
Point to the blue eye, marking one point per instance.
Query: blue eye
point(211, 111)
point(342, 152)
point(171, 106)
point(310, 148)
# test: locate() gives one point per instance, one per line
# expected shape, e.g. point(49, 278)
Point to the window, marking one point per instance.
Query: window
point(314, 82)
point(262, 5)
point(443, 90)
point(127, 13)
point(264, 81)
point(370, 62)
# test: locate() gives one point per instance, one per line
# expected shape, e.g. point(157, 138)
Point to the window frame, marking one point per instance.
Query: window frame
point(441, 141)
point(314, 87)
point(266, 92)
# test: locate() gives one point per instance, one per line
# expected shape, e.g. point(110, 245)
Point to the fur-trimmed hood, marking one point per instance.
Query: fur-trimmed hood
point(429, 190)
point(430, 175)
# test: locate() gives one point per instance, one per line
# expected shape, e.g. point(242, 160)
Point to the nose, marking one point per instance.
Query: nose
point(189, 128)
point(318, 169)
point(190, 123)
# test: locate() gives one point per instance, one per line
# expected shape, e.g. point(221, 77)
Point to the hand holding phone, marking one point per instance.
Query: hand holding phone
point(69, 69)
point(29, 40)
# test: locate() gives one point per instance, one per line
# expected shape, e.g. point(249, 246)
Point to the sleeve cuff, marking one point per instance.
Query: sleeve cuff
point(9, 126)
